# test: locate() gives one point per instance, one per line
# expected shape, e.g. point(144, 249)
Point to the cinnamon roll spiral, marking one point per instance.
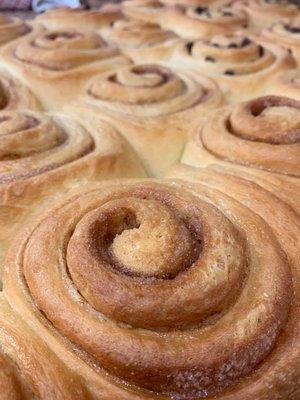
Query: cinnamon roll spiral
point(262, 133)
point(141, 41)
point(162, 289)
point(56, 63)
point(43, 155)
point(205, 21)
point(152, 106)
point(12, 28)
point(287, 34)
point(263, 13)
point(58, 18)
point(241, 66)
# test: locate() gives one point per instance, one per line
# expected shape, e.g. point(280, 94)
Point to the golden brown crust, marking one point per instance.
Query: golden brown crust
point(43, 155)
point(230, 318)
point(141, 41)
point(57, 63)
point(153, 107)
point(243, 67)
point(262, 133)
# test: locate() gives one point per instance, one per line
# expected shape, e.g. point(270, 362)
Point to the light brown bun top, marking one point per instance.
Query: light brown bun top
point(12, 28)
point(80, 19)
point(241, 66)
point(262, 13)
point(145, 10)
point(154, 107)
point(91, 276)
point(133, 34)
point(204, 21)
point(263, 133)
point(287, 34)
point(141, 41)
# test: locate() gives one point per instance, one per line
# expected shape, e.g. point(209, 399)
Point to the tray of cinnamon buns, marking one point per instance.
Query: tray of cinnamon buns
point(149, 202)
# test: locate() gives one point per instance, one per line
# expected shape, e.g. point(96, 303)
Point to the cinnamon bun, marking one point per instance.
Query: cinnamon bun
point(262, 133)
point(165, 289)
point(153, 107)
point(241, 66)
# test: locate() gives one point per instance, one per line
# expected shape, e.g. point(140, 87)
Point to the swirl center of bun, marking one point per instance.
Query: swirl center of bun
point(262, 120)
point(139, 85)
point(63, 49)
point(139, 238)
point(58, 38)
point(163, 90)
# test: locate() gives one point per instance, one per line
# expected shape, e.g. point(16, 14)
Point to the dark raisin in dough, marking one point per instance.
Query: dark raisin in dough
point(189, 47)
point(246, 41)
point(292, 29)
point(261, 51)
point(229, 72)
